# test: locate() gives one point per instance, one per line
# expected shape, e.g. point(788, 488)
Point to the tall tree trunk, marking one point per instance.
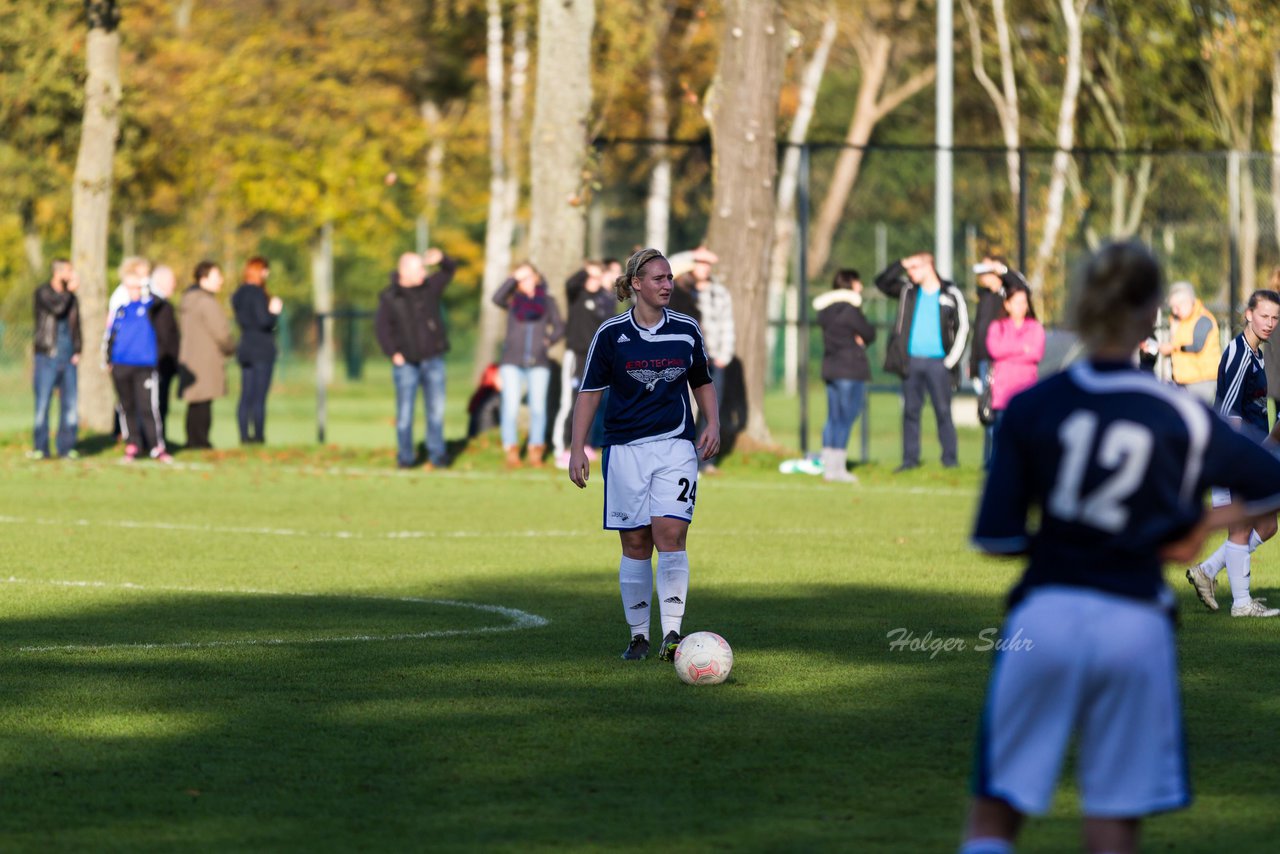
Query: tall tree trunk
point(1004, 97)
point(1248, 226)
point(562, 100)
point(182, 16)
point(91, 205)
point(1072, 13)
point(784, 225)
point(1275, 142)
point(743, 109)
point(874, 52)
point(657, 207)
point(516, 103)
point(499, 229)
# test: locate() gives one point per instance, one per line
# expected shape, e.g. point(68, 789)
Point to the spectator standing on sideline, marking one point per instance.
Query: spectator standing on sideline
point(1193, 345)
point(589, 306)
point(533, 325)
point(846, 332)
point(715, 309)
point(257, 313)
point(1015, 344)
point(57, 355)
point(168, 340)
point(206, 344)
point(991, 275)
point(925, 347)
point(410, 329)
point(132, 354)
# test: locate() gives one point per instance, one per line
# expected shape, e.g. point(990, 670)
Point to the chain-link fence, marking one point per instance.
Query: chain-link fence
point(1217, 232)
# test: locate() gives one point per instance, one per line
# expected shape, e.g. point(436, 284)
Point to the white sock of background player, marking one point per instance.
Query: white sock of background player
point(673, 589)
point(1217, 561)
point(1238, 573)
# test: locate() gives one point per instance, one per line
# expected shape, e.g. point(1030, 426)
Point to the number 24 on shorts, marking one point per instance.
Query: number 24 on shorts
point(688, 491)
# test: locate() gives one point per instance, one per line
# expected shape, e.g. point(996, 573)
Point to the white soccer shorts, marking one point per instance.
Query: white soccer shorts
point(652, 479)
point(1103, 667)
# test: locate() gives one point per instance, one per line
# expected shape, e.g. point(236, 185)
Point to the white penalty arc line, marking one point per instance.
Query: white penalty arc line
point(519, 619)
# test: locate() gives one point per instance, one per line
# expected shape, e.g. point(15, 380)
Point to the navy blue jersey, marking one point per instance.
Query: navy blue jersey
point(648, 373)
point(1242, 386)
point(1117, 464)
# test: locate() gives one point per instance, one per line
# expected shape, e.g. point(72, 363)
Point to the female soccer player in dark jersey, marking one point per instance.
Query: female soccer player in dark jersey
point(649, 358)
point(1115, 466)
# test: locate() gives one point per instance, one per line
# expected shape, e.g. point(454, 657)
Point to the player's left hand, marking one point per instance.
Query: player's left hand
point(709, 442)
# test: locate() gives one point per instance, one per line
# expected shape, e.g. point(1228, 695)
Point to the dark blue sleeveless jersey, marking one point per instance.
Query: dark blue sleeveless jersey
point(648, 374)
point(1116, 464)
point(1242, 387)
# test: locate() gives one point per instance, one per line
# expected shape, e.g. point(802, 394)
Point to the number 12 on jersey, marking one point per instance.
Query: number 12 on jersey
point(1124, 450)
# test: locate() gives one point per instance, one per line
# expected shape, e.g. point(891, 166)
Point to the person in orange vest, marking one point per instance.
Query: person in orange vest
point(1193, 344)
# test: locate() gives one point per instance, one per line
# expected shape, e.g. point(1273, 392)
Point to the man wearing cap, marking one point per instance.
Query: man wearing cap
point(1193, 343)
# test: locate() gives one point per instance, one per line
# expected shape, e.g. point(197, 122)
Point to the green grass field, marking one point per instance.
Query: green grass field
point(304, 649)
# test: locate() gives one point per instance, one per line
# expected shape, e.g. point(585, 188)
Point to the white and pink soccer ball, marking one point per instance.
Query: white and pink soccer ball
point(703, 658)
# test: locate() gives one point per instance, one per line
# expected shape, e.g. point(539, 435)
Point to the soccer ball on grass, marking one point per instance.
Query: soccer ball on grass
point(703, 658)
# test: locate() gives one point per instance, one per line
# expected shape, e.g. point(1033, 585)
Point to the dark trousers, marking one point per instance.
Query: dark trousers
point(933, 377)
point(137, 387)
point(717, 383)
point(199, 419)
point(255, 382)
point(165, 372)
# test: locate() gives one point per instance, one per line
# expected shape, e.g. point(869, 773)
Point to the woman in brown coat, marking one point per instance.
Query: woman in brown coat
point(206, 344)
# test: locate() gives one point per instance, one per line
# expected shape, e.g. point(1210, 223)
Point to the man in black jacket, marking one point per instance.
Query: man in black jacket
point(590, 304)
point(925, 346)
point(410, 329)
point(57, 355)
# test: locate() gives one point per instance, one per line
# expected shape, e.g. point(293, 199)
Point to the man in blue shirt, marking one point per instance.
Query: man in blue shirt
point(924, 348)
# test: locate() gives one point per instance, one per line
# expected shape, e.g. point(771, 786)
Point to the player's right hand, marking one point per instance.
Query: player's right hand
point(579, 467)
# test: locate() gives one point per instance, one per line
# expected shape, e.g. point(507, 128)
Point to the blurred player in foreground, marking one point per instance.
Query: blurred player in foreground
point(648, 358)
point(1116, 464)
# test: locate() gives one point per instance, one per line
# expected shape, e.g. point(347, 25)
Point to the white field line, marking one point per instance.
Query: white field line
point(519, 619)
point(794, 483)
point(150, 525)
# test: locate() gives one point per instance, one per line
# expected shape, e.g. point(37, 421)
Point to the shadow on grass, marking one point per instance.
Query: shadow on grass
point(825, 738)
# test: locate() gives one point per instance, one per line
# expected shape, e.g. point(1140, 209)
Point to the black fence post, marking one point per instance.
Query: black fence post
point(322, 402)
point(802, 300)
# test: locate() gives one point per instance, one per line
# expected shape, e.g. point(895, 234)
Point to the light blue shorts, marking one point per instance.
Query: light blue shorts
point(1097, 666)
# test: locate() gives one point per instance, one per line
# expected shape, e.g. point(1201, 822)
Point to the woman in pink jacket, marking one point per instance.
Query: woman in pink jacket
point(1015, 345)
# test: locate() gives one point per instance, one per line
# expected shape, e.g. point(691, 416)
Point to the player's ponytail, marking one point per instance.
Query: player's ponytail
point(1116, 295)
point(635, 266)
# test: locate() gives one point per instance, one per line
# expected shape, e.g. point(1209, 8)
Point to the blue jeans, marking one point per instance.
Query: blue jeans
point(844, 405)
point(50, 373)
point(429, 374)
point(515, 380)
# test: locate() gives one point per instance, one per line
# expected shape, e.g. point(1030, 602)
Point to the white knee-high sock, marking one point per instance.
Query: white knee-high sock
point(1238, 573)
point(673, 588)
point(635, 578)
point(1217, 561)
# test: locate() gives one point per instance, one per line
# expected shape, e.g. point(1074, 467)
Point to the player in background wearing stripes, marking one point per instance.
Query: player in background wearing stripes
point(1113, 466)
point(649, 358)
point(1242, 400)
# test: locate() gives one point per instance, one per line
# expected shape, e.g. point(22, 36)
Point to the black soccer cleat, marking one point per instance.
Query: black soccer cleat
point(667, 651)
point(637, 650)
